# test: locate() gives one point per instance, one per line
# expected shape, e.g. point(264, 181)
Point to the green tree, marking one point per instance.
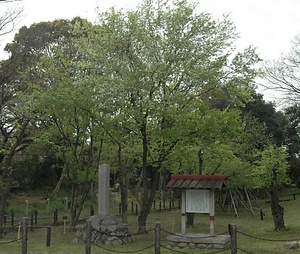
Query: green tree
point(156, 66)
point(68, 106)
point(43, 59)
point(16, 126)
point(292, 141)
point(271, 172)
point(273, 120)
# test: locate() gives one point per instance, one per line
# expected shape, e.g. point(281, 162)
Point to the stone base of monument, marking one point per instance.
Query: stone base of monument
point(105, 230)
point(198, 241)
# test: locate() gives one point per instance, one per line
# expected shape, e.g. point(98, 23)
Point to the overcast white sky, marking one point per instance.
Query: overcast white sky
point(269, 25)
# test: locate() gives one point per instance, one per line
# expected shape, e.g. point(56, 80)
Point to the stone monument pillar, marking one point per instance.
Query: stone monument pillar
point(103, 190)
point(106, 229)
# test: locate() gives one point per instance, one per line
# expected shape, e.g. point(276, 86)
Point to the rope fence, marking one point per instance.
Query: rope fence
point(131, 251)
point(234, 243)
point(267, 239)
point(154, 247)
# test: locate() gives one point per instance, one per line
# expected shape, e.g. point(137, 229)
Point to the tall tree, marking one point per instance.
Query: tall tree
point(271, 173)
point(161, 63)
point(265, 113)
point(292, 142)
point(33, 51)
point(15, 126)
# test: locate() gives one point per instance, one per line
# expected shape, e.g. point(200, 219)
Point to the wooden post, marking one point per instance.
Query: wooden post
point(173, 222)
point(183, 212)
point(120, 208)
point(157, 238)
point(31, 222)
point(55, 216)
point(233, 237)
point(88, 237)
point(261, 214)
point(24, 235)
point(92, 211)
point(19, 231)
point(73, 215)
point(47, 205)
point(12, 218)
point(65, 223)
point(136, 209)
point(35, 217)
point(212, 211)
point(48, 239)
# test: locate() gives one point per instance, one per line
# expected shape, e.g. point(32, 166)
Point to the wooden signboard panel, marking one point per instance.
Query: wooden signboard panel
point(197, 201)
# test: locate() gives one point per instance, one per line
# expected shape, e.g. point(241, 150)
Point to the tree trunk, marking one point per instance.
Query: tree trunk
point(124, 186)
point(78, 211)
point(147, 203)
point(60, 181)
point(73, 205)
point(3, 197)
point(200, 161)
point(190, 219)
point(144, 176)
point(6, 174)
point(277, 210)
point(124, 199)
point(190, 216)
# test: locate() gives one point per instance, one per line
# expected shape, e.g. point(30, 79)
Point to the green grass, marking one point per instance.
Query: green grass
point(257, 229)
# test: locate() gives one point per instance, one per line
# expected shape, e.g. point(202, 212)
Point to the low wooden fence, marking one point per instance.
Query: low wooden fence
point(156, 246)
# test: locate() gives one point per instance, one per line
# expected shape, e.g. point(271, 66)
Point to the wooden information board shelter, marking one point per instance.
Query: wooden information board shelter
point(197, 195)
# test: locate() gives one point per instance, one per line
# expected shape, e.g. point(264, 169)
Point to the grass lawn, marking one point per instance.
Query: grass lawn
point(253, 233)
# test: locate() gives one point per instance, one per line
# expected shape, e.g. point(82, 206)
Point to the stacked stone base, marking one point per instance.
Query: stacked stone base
point(104, 231)
point(198, 241)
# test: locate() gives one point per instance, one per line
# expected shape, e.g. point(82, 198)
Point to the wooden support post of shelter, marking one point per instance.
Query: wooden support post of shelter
point(183, 212)
point(157, 238)
point(24, 235)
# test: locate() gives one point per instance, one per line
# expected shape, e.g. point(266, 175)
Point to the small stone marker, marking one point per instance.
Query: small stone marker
point(292, 245)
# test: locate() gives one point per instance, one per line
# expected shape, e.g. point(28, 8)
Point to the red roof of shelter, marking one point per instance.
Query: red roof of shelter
point(196, 181)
